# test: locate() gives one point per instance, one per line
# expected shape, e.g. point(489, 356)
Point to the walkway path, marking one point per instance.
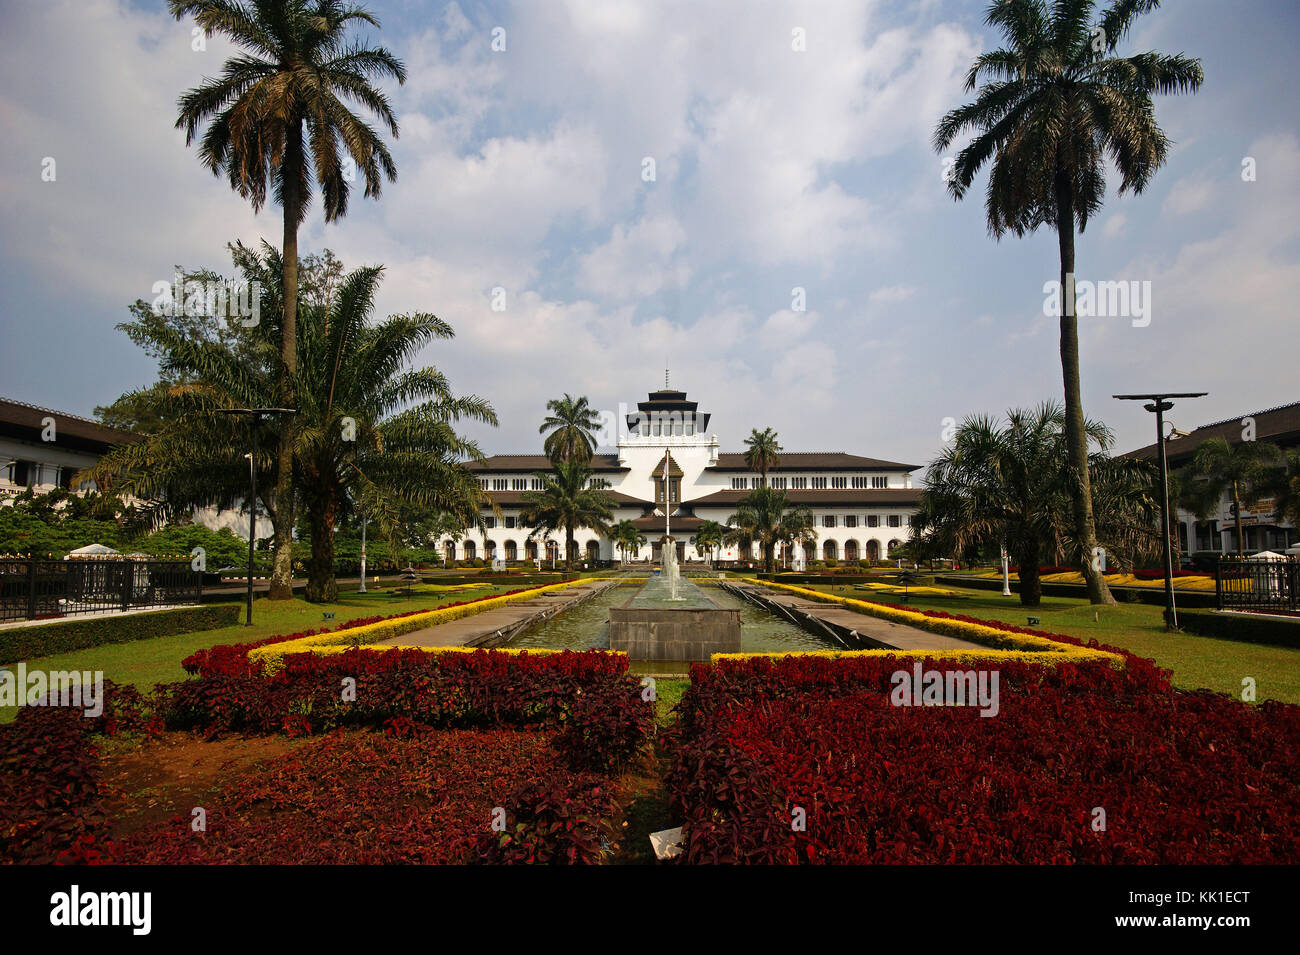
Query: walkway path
point(492, 628)
point(848, 627)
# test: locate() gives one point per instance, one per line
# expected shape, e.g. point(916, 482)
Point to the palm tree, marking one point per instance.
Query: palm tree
point(1283, 485)
point(572, 425)
point(627, 537)
point(762, 452)
point(1244, 471)
point(1056, 104)
point(710, 537)
point(1012, 485)
point(765, 516)
point(358, 435)
point(276, 118)
point(570, 498)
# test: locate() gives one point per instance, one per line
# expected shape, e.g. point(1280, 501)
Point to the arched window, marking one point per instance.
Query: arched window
point(850, 550)
point(830, 550)
point(471, 550)
point(512, 551)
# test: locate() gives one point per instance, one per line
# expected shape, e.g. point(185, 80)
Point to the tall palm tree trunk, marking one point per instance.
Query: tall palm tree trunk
point(282, 571)
point(1031, 586)
point(1236, 515)
point(322, 585)
point(1076, 439)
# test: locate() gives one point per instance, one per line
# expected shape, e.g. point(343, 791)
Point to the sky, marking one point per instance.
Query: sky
point(779, 174)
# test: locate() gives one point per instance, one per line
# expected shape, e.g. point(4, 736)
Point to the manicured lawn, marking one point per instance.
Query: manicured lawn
point(1196, 661)
point(147, 662)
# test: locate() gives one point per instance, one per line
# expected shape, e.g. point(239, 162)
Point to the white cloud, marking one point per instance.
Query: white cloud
point(637, 261)
point(1188, 195)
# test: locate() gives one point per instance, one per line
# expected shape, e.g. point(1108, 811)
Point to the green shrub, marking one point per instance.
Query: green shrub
point(1246, 627)
point(46, 639)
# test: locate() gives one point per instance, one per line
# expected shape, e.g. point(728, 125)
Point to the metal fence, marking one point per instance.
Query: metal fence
point(37, 589)
point(1247, 584)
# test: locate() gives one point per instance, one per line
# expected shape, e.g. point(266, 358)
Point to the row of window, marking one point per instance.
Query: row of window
point(810, 483)
point(660, 424)
point(828, 520)
point(511, 484)
point(34, 474)
point(873, 520)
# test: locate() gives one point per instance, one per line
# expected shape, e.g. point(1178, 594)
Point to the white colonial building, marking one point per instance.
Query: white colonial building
point(863, 506)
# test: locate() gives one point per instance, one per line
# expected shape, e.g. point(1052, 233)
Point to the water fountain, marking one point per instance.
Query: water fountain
point(670, 618)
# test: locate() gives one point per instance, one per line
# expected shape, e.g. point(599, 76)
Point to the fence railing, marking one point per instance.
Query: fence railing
point(1267, 584)
point(36, 589)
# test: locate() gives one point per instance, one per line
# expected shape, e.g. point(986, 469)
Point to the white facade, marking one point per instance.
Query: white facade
point(863, 506)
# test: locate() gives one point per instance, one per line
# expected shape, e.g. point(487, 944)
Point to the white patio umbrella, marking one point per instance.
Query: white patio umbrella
point(1268, 555)
point(91, 550)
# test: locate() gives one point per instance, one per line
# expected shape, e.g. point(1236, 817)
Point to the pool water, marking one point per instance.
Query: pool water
point(586, 627)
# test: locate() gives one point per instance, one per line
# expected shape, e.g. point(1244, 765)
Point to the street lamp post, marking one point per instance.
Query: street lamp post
point(1159, 404)
point(362, 588)
point(255, 415)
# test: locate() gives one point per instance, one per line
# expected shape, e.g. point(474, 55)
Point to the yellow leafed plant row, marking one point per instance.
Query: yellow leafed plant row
point(271, 656)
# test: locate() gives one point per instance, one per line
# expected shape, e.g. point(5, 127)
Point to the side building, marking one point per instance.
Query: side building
point(42, 449)
point(668, 469)
point(1261, 526)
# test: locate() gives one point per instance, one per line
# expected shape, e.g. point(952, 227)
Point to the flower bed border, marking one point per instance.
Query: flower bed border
point(271, 657)
point(1004, 642)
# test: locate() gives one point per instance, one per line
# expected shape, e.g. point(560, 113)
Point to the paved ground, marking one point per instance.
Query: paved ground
point(870, 630)
point(494, 627)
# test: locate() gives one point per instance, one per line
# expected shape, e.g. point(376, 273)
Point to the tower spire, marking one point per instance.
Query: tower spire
point(665, 379)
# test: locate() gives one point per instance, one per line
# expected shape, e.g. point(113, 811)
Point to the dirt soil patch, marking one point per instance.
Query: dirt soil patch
point(171, 775)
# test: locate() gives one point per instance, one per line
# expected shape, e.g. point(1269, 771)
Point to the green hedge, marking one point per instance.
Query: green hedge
point(1247, 627)
point(46, 639)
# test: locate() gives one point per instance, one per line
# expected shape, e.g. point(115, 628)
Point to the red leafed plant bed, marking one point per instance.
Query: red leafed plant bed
point(598, 708)
point(1183, 778)
point(231, 659)
point(406, 795)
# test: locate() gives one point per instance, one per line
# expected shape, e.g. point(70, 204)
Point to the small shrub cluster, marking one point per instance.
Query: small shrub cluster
point(559, 820)
point(50, 808)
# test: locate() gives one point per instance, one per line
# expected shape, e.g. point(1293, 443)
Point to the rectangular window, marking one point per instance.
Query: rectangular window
point(799, 483)
point(850, 520)
point(895, 520)
point(511, 524)
point(778, 483)
point(488, 522)
point(828, 520)
point(880, 482)
point(873, 520)
point(839, 483)
point(819, 484)
point(859, 483)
